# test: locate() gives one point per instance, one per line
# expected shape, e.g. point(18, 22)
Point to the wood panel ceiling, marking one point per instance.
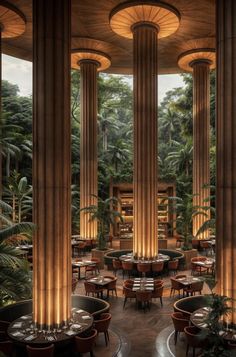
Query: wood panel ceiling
point(90, 20)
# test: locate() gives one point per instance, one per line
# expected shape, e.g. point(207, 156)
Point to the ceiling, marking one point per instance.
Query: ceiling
point(90, 28)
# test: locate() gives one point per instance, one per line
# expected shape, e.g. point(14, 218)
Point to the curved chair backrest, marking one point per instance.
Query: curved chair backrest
point(103, 323)
point(6, 347)
point(143, 296)
point(197, 286)
point(179, 321)
point(116, 263)
point(175, 284)
point(194, 336)
point(127, 265)
point(128, 292)
point(173, 264)
point(40, 351)
point(85, 344)
point(144, 267)
point(89, 287)
point(157, 266)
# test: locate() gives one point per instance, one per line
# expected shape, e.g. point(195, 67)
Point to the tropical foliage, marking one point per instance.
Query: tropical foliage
point(105, 214)
point(15, 277)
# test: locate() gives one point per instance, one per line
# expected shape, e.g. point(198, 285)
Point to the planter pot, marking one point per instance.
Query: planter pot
point(96, 253)
point(188, 255)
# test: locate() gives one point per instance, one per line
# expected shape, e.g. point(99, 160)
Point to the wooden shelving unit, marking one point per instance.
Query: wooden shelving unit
point(124, 193)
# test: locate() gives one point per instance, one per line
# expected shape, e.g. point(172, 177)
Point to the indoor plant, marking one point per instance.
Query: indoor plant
point(105, 214)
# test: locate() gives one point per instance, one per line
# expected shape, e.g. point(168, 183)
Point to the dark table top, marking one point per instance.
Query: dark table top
point(23, 330)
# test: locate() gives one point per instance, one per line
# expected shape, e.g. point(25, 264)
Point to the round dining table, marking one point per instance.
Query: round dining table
point(23, 331)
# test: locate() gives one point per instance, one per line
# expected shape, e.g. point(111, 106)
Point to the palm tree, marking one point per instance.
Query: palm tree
point(119, 152)
point(19, 194)
point(181, 159)
point(15, 279)
point(169, 123)
point(105, 215)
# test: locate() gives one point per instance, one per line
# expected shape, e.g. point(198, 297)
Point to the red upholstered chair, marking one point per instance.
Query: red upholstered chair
point(112, 285)
point(175, 286)
point(144, 268)
point(127, 268)
point(194, 288)
point(180, 322)
point(92, 289)
point(158, 292)
point(102, 325)
point(198, 268)
point(129, 294)
point(93, 268)
point(157, 267)
point(7, 348)
point(85, 344)
point(173, 266)
point(144, 298)
point(195, 338)
point(116, 263)
point(40, 351)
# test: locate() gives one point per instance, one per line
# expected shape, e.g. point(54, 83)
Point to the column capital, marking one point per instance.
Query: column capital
point(188, 59)
point(101, 59)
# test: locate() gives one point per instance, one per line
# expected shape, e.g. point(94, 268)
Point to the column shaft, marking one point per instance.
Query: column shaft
point(88, 146)
point(226, 150)
point(145, 141)
point(201, 141)
point(51, 162)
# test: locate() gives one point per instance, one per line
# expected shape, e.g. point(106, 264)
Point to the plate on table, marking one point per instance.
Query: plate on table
point(75, 327)
point(70, 333)
point(17, 334)
point(86, 317)
point(30, 338)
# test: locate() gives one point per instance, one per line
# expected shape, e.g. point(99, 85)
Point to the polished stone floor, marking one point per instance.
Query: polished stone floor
point(138, 334)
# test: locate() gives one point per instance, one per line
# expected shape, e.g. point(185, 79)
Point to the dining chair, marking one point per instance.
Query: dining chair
point(127, 268)
point(180, 322)
point(173, 266)
point(144, 268)
point(111, 286)
point(86, 344)
point(116, 264)
point(40, 351)
point(195, 338)
point(194, 288)
point(128, 294)
point(198, 268)
point(158, 292)
point(157, 268)
point(92, 289)
point(93, 268)
point(143, 298)
point(102, 325)
point(175, 286)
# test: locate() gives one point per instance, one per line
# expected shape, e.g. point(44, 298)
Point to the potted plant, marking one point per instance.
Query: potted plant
point(217, 321)
point(105, 214)
point(186, 211)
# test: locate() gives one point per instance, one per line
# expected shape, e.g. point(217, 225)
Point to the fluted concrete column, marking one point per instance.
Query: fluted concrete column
point(226, 150)
point(145, 23)
point(201, 141)
point(88, 145)
point(145, 140)
point(51, 162)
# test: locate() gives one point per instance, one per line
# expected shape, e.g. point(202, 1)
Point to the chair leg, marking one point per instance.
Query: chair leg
point(176, 336)
point(161, 300)
point(124, 302)
point(187, 348)
point(91, 354)
point(108, 337)
point(105, 335)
